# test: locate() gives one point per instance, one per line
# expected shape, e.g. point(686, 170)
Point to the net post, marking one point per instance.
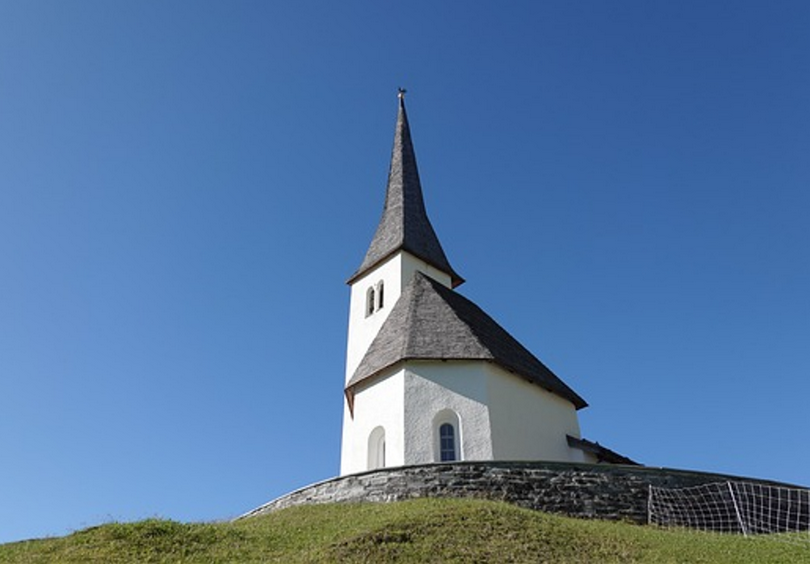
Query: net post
point(737, 509)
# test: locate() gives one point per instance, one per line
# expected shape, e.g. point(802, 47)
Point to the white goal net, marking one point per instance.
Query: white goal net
point(733, 507)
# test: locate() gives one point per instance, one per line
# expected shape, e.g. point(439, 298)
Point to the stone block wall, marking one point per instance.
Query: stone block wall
point(581, 490)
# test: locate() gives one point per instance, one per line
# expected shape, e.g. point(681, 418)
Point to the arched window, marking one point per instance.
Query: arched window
point(380, 295)
point(447, 443)
point(376, 449)
point(370, 301)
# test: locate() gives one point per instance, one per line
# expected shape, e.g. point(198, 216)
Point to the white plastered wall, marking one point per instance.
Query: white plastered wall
point(379, 404)
point(500, 416)
point(529, 422)
point(432, 387)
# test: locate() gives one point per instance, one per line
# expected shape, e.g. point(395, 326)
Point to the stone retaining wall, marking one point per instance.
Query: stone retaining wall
point(580, 490)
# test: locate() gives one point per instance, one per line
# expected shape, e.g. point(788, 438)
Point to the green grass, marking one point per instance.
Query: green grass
point(414, 531)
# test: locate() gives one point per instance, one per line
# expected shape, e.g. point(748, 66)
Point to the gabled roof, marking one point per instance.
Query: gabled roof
point(432, 322)
point(404, 224)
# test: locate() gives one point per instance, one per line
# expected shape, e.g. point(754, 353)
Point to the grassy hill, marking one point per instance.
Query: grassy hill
point(413, 531)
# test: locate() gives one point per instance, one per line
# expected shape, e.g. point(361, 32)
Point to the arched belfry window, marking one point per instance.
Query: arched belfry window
point(370, 301)
point(380, 295)
point(375, 298)
point(446, 436)
point(376, 448)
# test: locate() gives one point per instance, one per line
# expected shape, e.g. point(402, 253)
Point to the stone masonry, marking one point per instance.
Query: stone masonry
point(598, 491)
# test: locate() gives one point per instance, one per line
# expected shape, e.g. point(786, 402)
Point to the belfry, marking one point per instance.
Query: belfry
point(430, 377)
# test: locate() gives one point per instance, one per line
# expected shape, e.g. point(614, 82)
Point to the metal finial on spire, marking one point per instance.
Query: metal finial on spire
point(401, 93)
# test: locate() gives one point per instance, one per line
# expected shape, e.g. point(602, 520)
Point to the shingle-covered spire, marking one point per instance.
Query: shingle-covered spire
point(404, 224)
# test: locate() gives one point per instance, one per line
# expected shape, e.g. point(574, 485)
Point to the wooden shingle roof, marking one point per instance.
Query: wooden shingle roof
point(404, 224)
point(432, 322)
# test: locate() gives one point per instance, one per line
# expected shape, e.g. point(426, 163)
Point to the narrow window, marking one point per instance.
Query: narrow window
point(447, 443)
point(369, 301)
point(380, 295)
point(376, 449)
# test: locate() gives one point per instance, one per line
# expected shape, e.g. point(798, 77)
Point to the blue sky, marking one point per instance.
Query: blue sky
point(185, 188)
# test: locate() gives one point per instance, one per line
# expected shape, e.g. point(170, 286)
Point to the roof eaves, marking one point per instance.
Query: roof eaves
point(603, 454)
point(455, 279)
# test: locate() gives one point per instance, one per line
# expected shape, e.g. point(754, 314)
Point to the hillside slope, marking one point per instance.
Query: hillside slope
point(413, 531)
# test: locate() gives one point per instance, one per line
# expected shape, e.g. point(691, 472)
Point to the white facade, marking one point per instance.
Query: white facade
point(381, 405)
point(397, 415)
point(496, 415)
point(528, 422)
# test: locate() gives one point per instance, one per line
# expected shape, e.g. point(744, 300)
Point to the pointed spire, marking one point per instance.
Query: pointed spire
point(404, 224)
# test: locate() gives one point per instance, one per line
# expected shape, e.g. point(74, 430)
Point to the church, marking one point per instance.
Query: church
point(431, 377)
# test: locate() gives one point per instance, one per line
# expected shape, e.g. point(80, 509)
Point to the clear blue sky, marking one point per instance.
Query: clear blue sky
point(185, 187)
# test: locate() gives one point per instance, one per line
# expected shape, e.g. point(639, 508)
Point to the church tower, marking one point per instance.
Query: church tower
point(430, 377)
